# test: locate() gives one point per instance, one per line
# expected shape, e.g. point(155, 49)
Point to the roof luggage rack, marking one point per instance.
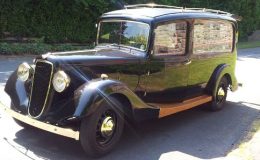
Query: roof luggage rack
point(153, 5)
point(209, 10)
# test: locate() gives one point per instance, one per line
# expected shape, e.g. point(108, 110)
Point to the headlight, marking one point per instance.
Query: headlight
point(24, 71)
point(60, 81)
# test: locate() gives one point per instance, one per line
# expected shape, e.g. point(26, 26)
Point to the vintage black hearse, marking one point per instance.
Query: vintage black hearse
point(150, 61)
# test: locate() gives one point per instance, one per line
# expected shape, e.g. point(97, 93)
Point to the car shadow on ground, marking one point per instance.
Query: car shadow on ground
point(197, 132)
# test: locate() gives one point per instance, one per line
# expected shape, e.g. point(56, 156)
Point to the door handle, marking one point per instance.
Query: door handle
point(187, 62)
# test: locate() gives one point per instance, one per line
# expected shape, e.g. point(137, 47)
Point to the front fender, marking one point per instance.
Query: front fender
point(18, 92)
point(91, 94)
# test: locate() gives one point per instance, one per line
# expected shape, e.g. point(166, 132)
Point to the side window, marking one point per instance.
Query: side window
point(170, 38)
point(212, 36)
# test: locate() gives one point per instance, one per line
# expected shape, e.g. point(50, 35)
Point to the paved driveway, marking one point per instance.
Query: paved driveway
point(192, 134)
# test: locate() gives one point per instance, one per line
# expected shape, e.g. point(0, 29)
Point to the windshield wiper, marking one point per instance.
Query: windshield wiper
point(122, 46)
point(114, 45)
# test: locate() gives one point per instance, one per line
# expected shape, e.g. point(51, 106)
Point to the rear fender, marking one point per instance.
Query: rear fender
point(219, 72)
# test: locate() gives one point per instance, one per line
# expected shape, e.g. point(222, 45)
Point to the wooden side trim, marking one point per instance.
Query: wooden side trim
point(166, 110)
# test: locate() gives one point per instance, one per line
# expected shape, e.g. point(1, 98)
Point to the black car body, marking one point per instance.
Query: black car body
point(165, 65)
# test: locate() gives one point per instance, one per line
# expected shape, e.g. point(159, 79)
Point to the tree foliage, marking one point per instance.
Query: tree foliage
point(74, 20)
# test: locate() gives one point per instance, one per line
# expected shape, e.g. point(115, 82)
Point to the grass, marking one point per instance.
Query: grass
point(36, 48)
point(243, 151)
point(243, 45)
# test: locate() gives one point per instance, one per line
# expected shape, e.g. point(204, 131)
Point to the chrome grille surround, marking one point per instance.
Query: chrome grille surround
point(41, 84)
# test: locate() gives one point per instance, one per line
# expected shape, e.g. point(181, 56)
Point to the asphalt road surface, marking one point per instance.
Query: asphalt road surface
point(192, 134)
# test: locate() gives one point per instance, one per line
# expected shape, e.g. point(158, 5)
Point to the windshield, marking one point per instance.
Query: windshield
point(127, 33)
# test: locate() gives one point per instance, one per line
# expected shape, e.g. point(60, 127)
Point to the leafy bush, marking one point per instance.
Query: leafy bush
point(57, 21)
point(74, 20)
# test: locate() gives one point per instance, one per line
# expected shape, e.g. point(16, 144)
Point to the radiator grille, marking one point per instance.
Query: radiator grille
point(40, 87)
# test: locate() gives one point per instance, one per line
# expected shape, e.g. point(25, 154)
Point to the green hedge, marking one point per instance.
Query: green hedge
point(55, 20)
point(74, 20)
point(36, 48)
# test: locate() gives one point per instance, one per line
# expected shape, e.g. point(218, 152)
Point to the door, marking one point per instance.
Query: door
point(167, 69)
point(212, 46)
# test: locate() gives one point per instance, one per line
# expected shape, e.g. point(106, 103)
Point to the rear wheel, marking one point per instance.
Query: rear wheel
point(101, 131)
point(219, 95)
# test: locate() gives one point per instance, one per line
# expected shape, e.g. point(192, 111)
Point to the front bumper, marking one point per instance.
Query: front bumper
point(66, 132)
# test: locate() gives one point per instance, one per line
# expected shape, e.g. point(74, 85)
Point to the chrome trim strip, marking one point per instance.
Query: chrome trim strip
point(48, 91)
point(66, 132)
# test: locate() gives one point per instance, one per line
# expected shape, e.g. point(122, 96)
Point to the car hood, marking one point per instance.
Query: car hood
point(94, 57)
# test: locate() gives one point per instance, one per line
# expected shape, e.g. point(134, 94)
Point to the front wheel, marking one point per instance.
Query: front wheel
point(219, 95)
point(101, 131)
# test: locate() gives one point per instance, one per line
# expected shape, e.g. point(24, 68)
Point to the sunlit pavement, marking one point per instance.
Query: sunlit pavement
point(193, 134)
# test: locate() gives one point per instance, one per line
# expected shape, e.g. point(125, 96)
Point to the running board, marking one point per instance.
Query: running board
point(168, 109)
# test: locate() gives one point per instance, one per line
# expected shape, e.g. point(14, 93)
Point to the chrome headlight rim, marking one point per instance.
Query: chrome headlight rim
point(60, 81)
point(24, 71)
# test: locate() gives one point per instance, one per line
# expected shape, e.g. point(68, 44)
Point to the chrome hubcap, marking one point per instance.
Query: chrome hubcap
point(107, 127)
point(221, 92)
